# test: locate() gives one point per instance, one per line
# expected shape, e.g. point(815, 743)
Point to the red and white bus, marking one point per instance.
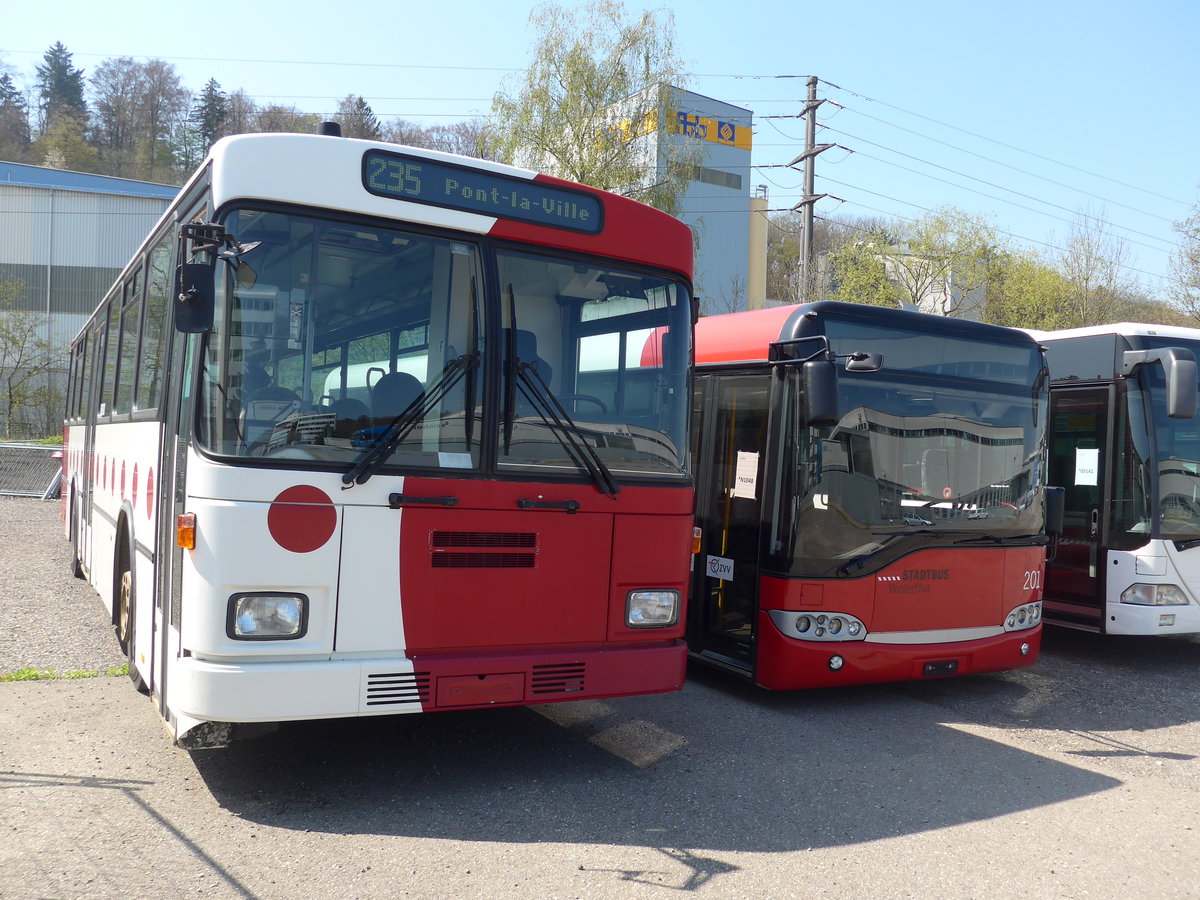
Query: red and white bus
point(871, 492)
point(363, 429)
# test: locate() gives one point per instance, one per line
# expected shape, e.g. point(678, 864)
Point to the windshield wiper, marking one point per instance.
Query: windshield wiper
point(402, 425)
point(551, 411)
point(1019, 539)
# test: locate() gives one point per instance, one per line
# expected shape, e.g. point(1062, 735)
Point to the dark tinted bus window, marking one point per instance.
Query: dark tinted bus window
point(154, 334)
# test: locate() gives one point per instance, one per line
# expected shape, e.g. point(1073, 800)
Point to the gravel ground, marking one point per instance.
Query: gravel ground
point(78, 636)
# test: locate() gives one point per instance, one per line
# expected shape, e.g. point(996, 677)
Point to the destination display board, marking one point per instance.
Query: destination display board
point(422, 180)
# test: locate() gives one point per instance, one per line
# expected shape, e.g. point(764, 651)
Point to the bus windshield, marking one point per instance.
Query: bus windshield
point(1177, 449)
point(943, 445)
point(337, 338)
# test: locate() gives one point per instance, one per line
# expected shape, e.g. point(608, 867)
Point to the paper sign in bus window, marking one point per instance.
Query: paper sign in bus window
point(1087, 466)
point(745, 477)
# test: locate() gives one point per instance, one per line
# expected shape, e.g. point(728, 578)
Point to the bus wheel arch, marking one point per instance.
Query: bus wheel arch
point(73, 528)
point(125, 601)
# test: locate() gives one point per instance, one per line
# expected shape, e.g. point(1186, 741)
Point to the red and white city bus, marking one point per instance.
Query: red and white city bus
point(363, 429)
point(870, 488)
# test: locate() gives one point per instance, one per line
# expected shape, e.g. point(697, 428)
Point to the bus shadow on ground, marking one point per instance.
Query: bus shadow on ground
point(1082, 682)
point(720, 767)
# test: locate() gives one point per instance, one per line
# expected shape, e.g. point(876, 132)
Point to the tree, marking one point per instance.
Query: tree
point(470, 137)
point(60, 88)
point(785, 246)
point(27, 365)
point(1026, 291)
point(163, 114)
point(14, 122)
point(1093, 262)
point(859, 272)
point(943, 261)
point(241, 112)
point(139, 115)
point(209, 114)
point(357, 118)
point(1185, 265)
point(285, 119)
point(63, 146)
point(592, 106)
point(117, 85)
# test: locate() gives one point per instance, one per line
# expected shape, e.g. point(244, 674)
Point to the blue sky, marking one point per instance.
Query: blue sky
point(1028, 113)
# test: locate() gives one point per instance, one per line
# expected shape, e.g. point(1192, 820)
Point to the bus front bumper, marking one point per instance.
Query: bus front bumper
point(229, 691)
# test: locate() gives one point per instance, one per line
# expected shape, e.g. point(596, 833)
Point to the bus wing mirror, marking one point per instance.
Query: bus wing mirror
point(195, 297)
point(1056, 505)
point(1179, 370)
point(1181, 386)
point(818, 385)
point(864, 362)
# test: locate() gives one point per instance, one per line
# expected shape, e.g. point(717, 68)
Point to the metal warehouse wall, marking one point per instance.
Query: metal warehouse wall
point(65, 236)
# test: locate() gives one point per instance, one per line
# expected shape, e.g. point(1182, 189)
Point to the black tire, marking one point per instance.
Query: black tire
point(76, 562)
point(124, 625)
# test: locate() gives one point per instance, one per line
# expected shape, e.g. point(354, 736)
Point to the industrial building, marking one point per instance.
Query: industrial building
point(65, 236)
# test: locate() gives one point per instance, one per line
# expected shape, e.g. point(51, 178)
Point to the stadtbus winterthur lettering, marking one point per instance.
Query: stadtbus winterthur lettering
point(424, 181)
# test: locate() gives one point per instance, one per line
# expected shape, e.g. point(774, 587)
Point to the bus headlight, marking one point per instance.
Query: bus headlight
point(818, 626)
point(1154, 595)
point(651, 609)
point(1025, 616)
point(265, 616)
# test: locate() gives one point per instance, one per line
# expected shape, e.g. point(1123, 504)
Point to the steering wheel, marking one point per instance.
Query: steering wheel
point(565, 398)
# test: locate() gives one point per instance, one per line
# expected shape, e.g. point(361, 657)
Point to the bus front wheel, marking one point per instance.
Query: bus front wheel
point(124, 625)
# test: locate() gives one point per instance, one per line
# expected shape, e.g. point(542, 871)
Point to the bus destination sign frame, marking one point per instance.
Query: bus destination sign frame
point(420, 180)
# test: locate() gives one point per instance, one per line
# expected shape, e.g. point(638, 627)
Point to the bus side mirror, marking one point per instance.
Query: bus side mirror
point(1056, 505)
point(1179, 371)
point(1181, 387)
point(195, 297)
point(818, 386)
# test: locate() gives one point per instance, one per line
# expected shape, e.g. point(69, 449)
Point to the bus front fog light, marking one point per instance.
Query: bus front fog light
point(1154, 595)
point(652, 609)
point(267, 617)
point(1024, 649)
point(836, 663)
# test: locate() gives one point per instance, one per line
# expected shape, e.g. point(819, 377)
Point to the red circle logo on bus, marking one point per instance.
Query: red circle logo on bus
point(302, 519)
point(149, 493)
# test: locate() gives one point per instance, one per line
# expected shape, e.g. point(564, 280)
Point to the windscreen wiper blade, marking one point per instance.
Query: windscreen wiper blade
point(402, 425)
point(551, 411)
point(1007, 541)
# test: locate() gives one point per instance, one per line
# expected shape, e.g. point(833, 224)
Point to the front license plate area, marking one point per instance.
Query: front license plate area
point(941, 667)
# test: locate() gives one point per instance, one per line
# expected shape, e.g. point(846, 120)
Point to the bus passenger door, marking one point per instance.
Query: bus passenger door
point(724, 599)
point(1079, 461)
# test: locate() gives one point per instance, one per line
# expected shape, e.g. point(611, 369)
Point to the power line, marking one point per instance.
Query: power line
point(997, 186)
point(1002, 163)
point(1003, 144)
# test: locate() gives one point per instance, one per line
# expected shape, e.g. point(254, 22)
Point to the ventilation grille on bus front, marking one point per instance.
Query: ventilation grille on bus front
point(557, 679)
point(484, 539)
point(482, 550)
point(392, 688)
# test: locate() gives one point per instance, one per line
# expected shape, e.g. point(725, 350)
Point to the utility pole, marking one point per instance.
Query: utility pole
point(811, 149)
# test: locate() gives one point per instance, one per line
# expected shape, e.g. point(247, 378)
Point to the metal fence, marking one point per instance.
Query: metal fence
point(30, 470)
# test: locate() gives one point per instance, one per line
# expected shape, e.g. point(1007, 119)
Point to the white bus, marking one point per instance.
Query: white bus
point(1125, 443)
point(363, 429)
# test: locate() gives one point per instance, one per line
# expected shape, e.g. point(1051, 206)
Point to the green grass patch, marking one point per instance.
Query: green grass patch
point(52, 675)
